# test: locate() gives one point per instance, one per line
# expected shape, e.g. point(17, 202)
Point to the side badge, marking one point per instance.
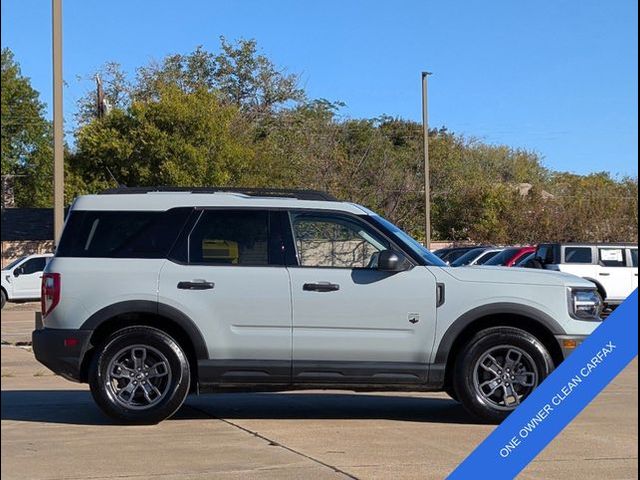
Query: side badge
point(413, 318)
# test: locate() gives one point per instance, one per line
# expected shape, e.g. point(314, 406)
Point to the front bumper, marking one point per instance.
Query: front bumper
point(61, 350)
point(568, 343)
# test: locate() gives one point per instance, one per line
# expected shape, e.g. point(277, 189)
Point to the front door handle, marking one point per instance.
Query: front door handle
point(320, 287)
point(196, 285)
point(604, 274)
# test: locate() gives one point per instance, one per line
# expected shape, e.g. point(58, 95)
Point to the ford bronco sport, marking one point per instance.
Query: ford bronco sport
point(156, 293)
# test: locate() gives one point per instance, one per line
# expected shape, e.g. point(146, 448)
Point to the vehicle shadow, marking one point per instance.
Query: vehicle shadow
point(76, 407)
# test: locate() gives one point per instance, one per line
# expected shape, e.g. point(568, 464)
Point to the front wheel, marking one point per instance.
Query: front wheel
point(3, 298)
point(139, 376)
point(497, 369)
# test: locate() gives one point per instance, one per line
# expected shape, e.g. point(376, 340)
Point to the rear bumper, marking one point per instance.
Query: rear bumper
point(61, 350)
point(568, 343)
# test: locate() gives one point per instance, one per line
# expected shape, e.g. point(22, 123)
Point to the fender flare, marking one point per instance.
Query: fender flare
point(466, 319)
point(599, 286)
point(155, 308)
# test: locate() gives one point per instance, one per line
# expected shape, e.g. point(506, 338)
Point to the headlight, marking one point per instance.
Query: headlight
point(585, 304)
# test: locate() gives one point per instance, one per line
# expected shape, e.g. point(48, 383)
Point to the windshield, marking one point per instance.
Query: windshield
point(503, 257)
point(14, 263)
point(468, 257)
point(405, 239)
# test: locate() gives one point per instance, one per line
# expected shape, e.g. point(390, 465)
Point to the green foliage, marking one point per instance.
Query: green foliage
point(232, 118)
point(26, 136)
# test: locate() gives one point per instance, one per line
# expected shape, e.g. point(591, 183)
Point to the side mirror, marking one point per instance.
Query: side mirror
point(390, 261)
point(17, 272)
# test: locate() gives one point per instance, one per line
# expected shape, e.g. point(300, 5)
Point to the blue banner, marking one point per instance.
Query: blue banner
point(570, 388)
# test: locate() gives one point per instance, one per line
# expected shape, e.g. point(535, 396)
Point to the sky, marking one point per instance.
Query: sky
point(558, 77)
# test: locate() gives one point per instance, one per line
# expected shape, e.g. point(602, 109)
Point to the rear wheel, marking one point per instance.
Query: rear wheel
point(140, 375)
point(497, 369)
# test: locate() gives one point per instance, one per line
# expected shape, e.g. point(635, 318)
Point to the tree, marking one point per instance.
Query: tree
point(180, 139)
point(26, 137)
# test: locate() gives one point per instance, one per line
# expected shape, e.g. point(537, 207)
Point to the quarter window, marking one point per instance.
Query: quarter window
point(335, 241)
point(578, 255)
point(612, 257)
point(230, 237)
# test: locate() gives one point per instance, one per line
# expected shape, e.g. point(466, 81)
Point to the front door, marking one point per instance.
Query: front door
point(234, 287)
point(27, 283)
point(353, 323)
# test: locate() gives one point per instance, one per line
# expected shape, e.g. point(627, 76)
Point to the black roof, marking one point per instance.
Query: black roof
point(27, 224)
point(254, 192)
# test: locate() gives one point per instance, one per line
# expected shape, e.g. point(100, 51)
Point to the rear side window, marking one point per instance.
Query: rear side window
point(122, 234)
point(578, 255)
point(230, 237)
point(612, 257)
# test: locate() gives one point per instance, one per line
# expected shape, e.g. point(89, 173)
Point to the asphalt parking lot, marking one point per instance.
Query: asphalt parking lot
point(51, 429)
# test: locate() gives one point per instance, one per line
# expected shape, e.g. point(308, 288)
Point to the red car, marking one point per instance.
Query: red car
point(510, 256)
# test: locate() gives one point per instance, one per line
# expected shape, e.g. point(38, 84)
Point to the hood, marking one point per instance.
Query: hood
point(521, 276)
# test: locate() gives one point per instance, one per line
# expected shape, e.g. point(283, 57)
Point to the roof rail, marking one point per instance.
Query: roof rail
point(254, 192)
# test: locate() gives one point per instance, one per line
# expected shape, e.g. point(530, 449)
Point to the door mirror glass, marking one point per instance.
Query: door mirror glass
point(390, 261)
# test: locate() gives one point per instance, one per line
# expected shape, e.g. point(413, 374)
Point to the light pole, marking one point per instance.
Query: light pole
point(58, 127)
point(427, 188)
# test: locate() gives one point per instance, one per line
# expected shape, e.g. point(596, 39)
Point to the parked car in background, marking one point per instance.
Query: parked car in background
point(510, 256)
point(451, 254)
point(613, 268)
point(477, 256)
point(21, 278)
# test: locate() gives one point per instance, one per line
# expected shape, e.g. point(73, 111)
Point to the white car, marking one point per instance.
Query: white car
point(21, 279)
point(155, 294)
point(612, 267)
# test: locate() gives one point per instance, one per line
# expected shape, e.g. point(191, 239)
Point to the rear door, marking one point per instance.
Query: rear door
point(227, 275)
point(613, 272)
point(353, 323)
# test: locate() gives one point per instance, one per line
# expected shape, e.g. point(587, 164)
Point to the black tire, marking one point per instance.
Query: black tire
point(3, 298)
point(496, 349)
point(156, 355)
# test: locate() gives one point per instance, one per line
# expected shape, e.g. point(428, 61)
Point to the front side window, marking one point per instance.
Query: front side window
point(230, 237)
point(578, 255)
point(634, 257)
point(327, 240)
point(33, 266)
point(612, 257)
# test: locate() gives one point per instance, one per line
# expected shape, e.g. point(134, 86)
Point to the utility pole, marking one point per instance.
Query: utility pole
point(58, 126)
point(427, 187)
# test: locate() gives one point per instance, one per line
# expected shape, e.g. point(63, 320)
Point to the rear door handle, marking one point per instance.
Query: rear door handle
point(320, 287)
point(604, 274)
point(196, 285)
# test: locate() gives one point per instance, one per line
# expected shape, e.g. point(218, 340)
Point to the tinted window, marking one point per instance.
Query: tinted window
point(634, 257)
point(522, 262)
point(468, 257)
point(612, 257)
point(335, 241)
point(34, 265)
point(230, 237)
point(546, 254)
point(578, 255)
point(124, 234)
point(503, 257)
point(486, 257)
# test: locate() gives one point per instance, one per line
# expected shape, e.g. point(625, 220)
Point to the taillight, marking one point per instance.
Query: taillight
point(50, 294)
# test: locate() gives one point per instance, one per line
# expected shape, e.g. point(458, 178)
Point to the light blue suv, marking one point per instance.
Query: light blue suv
point(156, 293)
